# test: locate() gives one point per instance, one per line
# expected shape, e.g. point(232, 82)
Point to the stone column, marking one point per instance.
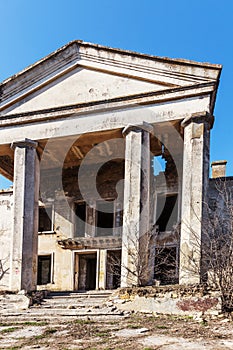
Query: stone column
point(25, 216)
point(194, 191)
point(102, 268)
point(136, 205)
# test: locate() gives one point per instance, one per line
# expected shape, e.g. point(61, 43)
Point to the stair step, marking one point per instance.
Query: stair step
point(93, 300)
point(64, 305)
point(60, 313)
point(54, 297)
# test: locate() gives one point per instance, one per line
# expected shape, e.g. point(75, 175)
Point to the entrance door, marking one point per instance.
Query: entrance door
point(91, 274)
point(87, 271)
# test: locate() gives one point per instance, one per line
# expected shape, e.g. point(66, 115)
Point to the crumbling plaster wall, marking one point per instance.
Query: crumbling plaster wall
point(6, 210)
point(47, 244)
point(220, 195)
point(62, 263)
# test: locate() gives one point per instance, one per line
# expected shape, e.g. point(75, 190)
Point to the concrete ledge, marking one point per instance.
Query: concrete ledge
point(10, 302)
point(169, 300)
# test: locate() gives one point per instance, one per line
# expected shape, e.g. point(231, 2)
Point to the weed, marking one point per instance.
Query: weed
point(3, 324)
point(46, 333)
point(132, 326)
point(35, 323)
point(189, 317)
point(161, 327)
point(26, 323)
point(9, 330)
point(40, 336)
point(102, 334)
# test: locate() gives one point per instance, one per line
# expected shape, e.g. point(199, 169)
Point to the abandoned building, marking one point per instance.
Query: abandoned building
point(108, 151)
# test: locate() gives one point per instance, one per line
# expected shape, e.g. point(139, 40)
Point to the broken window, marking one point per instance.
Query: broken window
point(104, 218)
point(113, 278)
point(45, 219)
point(167, 212)
point(159, 164)
point(80, 219)
point(166, 265)
point(44, 269)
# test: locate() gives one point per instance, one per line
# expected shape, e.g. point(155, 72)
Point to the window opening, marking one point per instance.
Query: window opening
point(167, 212)
point(166, 265)
point(105, 218)
point(45, 219)
point(80, 212)
point(44, 269)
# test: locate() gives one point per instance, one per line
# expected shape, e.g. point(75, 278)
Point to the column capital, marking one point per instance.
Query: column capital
point(144, 126)
point(26, 143)
point(199, 118)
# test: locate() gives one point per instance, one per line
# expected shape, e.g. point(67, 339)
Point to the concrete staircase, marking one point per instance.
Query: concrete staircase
point(87, 305)
point(75, 300)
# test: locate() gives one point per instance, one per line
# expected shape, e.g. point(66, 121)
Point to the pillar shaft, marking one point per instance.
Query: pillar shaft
point(194, 190)
point(102, 268)
point(25, 219)
point(136, 205)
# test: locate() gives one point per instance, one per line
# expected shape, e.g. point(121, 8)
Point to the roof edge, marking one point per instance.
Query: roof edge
point(159, 58)
point(116, 50)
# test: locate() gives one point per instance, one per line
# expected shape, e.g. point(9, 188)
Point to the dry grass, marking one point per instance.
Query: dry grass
point(100, 334)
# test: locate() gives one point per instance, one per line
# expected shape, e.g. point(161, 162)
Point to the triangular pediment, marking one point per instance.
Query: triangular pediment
point(82, 73)
point(83, 85)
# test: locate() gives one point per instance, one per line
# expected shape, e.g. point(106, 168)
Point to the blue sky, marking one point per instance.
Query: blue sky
point(200, 30)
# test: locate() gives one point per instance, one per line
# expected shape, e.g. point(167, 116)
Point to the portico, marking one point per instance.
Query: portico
point(80, 134)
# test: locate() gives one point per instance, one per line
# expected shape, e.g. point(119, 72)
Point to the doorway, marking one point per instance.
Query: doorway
point(86, 271)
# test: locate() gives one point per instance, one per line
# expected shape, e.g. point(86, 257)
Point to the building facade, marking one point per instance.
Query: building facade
point(108, 151)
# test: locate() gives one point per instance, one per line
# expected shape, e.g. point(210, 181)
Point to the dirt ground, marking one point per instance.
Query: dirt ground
point(136, 331)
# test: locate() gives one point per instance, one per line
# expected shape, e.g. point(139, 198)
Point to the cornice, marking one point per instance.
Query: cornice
point(154, 97)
